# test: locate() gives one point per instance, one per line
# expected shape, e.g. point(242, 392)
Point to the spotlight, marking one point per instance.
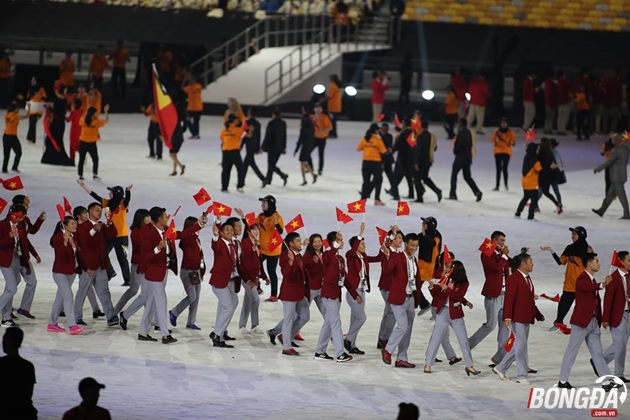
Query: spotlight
point(467, 96)
point(351, 91)
point(319, 89)
point(427, 95)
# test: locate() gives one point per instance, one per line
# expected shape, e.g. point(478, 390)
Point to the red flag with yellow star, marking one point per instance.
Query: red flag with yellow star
point(13, 184)
point(295, 224)
point(411, 139)
point(171, 232)
point(61, 212)
point(402, 209)
point(487, 247)
point(510, 342)
point(357, 206)
point(275, 241)
point(220, 209)
point(616, 261)
point(165, 110)
point(66, 206)
point(397, 122)
point(343, 217)
point(382, 235)
point(447, 256)
point(202, 197)
point(3, 204)
point(250, 218)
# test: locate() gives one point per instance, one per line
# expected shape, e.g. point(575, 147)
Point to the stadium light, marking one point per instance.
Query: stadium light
point(319, 88)
point(427, 95)
point(351, 91)
point(467, 95)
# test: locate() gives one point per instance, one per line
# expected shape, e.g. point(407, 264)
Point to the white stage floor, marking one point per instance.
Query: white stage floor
point(193, 380)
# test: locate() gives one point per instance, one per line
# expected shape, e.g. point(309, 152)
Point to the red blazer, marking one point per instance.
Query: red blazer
point(223, 265)
point(65, 257)
point(136, 244)
point(587, 301)
point(92, 249)
point(32, 229)
point(397, 267)
point(354, 266)
point(519, 304)
point(495, 269)
point(385, 280)
point(154, 265)
point(192, 251)
point(251, 268)
point(314, 271)
point(7, 244)
point(615, 300)
point(334, 269)
point(294, 284)
point(529, 94)
point(456, 294)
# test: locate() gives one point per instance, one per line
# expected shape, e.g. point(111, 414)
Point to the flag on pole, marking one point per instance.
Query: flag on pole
point(382, 235)
point(3, 204)
point(165, 110)
point(171, 232)
point(447, 256)
point(295, 224)
point(616, 261)
point(510, 342)
point(530, 135)
point(275, 241)
point(411, 139)
point(202, 197)
point(402, 209)
point(357, 206)
point(325, 243)
point(220, 209)
point(487, 247)
point(343, 217)
point(66, 205)
point(397, 123)
point(250, 218)
point(62, 213)
point(13, 184)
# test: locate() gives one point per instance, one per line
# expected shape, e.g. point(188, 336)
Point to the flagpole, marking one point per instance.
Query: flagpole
point(338, 227)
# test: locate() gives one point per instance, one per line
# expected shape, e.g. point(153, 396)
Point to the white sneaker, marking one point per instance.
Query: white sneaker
point(243, 330)
point(501, 375)
point(257, 331)
point(523, 381)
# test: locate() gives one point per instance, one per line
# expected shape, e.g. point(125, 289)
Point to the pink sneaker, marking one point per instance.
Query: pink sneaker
point(75, 329)
point(55, 328)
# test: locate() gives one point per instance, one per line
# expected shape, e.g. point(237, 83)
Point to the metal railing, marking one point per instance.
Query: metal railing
point(333, 39)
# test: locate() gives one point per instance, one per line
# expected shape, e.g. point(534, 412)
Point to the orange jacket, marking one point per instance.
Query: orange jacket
point(503, 142)
point(530, 181)
point(334, 98)
point(194, 97)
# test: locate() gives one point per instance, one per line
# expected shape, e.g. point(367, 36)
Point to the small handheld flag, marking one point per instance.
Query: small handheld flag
point(171, 232)
point(343, 217)
point(295, 224)
point(357, 206)
point(275, 241)
point(13, 184)
point(66, 205)
point(616, 261)
point(447, 256)
point(402, 209)
point(62, 213)
point(221, 209)
point(487, 247)
point(510, 342)
point(382, 235)
point(202, 197)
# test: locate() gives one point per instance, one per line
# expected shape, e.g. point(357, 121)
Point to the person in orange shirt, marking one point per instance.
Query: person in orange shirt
point(333, 98)
point(164, 60)
point(503, 139)
point(233, 107)
point(195, 106)
point(83, 97)
point(94, 100)
point(120, 56)
point(583, 110)
point(153, 134)
point(67, 68)
point(451, 112)
point(323, 127)
point(530, 171)
point(10, 139)
point(373, 148)
point(231, 135)
point(90, 126)
point(74, 119)
point(98, 63)
point(341, 19)
point(37, 97)
point(5, 72)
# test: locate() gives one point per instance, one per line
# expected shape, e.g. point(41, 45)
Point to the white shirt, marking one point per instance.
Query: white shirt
point(528, 281)
point(93, 231)
point(361, 271)
point(412, 271)
point(157, 250)
point(623, 281)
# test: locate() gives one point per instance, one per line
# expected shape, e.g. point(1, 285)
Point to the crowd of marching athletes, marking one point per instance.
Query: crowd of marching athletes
point(314, 269)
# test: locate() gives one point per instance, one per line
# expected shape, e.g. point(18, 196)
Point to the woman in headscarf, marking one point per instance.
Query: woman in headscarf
point(503, 139)
point(531, 169)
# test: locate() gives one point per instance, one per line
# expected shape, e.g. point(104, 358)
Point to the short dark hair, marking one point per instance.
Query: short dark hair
point(156, 213)
point(291, 237)
point(331, 237)
point(19, 199)
point(94, 204)
point(78, 210)
point(463, 122)
point(399, 232)
point(352, 240)
point(496, 234)
point(588, 257)
point(411, 237)
point(15, 336)
point(622, 255)
point(232, 221)
point(276, 112)
point(224, 225)
point(17, 208)
point(518, 260)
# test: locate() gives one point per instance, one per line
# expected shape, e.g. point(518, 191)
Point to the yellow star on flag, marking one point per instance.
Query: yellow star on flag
point(294, 224)
point(203, 197)
point(13, 185)
point(400, 209)
point(174, 230)
point(489, 245)
point(273, 241)
point(357, 206)
point(221, 209)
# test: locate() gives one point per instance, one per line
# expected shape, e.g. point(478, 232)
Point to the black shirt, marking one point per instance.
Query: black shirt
point(463, 145)
point(16, 388)
point(275, 136)
point(252, 144)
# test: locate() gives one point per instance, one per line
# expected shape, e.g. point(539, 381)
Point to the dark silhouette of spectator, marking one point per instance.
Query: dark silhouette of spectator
point(89, 390)
point(408, 411)
point(18, 381)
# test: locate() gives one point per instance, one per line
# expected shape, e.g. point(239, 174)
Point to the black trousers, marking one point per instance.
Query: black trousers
point(502, 161)
point(464, 166)
point(121, 245)
point(98, 83)
point(426, 180)
point(405, 170)
point(320, 145)
point(32, 127)
point(449, 124)
point(272, 161)
point(119, 80)
point(566, 300)
point(250, 161)
point(272, 265)
point(193, 122)
point(4, 92)
point(389, 173)
point(544, 184)
point(403, 96)
point(607, 179)
point(232, 158)
point(333, 119)
point(527, 196)
point(11, 142)
point(85, 148)
point(372, 179)
point(582, 124)
point(155, 143)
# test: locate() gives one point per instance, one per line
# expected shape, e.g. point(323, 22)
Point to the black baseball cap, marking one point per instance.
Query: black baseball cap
point(89, 383)
point(117, 190)
point(432, 221)
point(581, 232)
point(269, 199)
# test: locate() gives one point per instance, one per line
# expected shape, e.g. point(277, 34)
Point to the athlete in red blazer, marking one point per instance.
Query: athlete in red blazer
point(588, 303)
point(65, 256)
point(294, 283)
point(136, 244)
point(7, 243)
point(224, 262)
point(397, 266)
point(455, 295)
point(334, 269)
point(615, 304)
point(251, 269)
point(92, 248)
point(520, 304)
point(314, 266)
point(354, 265)
point(617, 316)
point(496, 267)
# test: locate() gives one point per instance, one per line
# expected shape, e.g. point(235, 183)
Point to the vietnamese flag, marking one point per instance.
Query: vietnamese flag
point(165, 110)
point(275, 241)
point(416, 124)
point(382, 235)
point(380, 117)
point(245, 126)
point(3, 204)
point(556, 298)
point(343, 217)
point(221, 209)
point(530, 135)
point(250, 218)
point(66, 205)
point(411, 139)
point(510, 342)
point(13, 183)
point(171, 232)
point(397, 121)
point(447, 256)
point(325, 243)
point(357, 206)
point(295, 224)
point(487, 247)
point(202, 197)
point(62, 213)
point(402, 209)
point(616, 261)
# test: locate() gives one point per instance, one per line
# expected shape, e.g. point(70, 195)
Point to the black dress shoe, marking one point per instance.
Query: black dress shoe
point(215, 339)
point(492, 365)
point(438, 360)
point(355, 350)
point(624, 379)
point(272, 337)
point(157, 328)
point(62, 314)
point(123, 322)
point(566, 385)
point(146, 338)
point(348, 345)
point(168, 339)
point(594, 368)
point(126, 284)
point(226, 337)
point(81, 322)
point(97, 314)
point(532, 371)
point(454, 360)
point(223, 345)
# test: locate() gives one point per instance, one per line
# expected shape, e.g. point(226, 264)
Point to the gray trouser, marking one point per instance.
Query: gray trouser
point(401, 336)
point(11, 275)
point(530, 114)
point(564, 111)
point(296, 315)
point(388, 321)
point(377, 109)
point(155, 306)
point(494, 315)
point(251, 303)
point(29, 289)
point(140, 301)
point(519, 352)
point(101, 285)
point(357, 316)
point(442, 322)
point(228, 301)
point(592, 335)
point(132, 290)
point(478, 113)
point(550, 116)
point(615, 190)
point(91, 296)
point(617, 350)
point(331, 328)
point(316, 296)
point(63, 300)
point(446, 341)
point(191, 301)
